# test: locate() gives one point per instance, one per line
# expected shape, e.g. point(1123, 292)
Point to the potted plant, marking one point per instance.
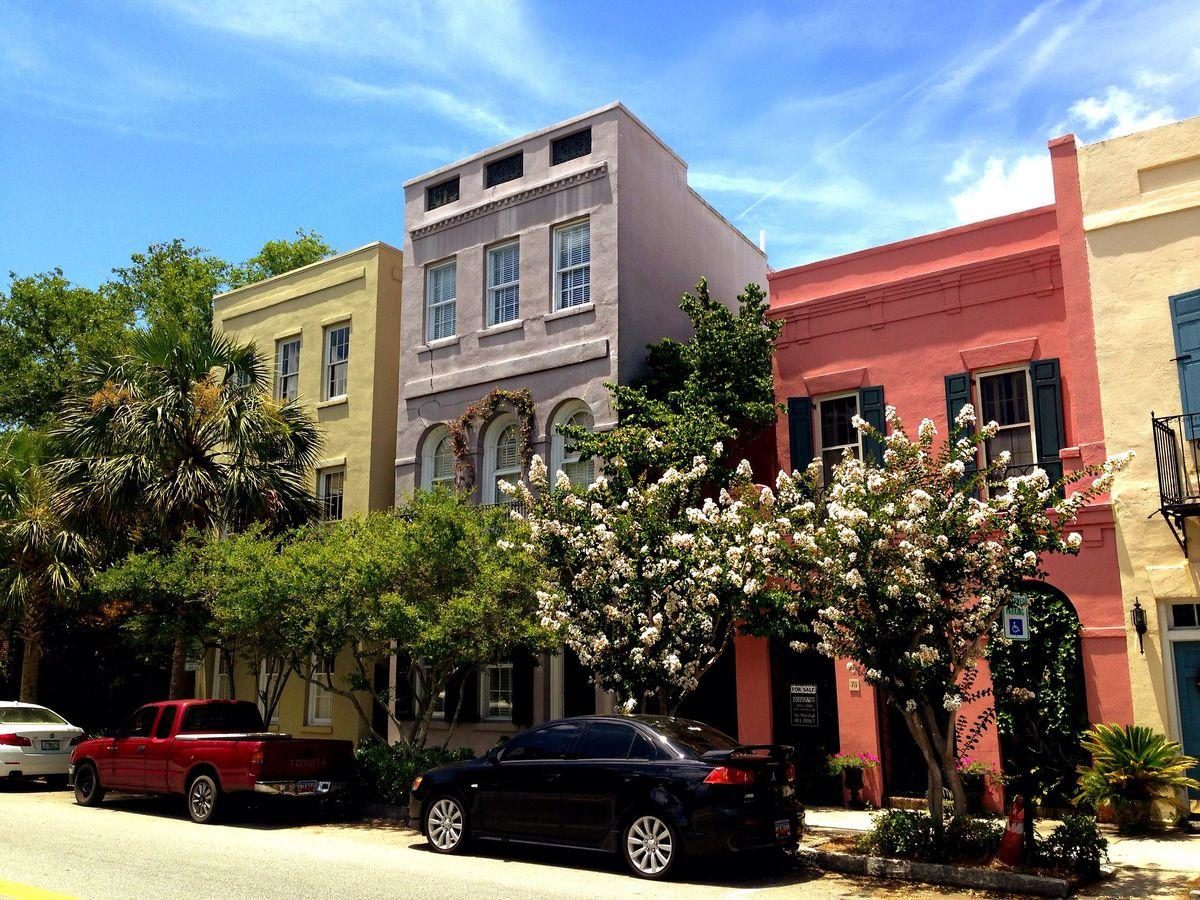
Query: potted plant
point(1136, 773)
point(851, 766)
point(976, 776)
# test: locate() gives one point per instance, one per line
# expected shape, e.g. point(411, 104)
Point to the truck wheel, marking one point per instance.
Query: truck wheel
point(88, 791)
point(204, 800)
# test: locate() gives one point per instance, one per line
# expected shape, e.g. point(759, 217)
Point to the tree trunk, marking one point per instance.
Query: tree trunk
point(932, 763)
point(183, 682)
point(458, 705)
point(33, 627)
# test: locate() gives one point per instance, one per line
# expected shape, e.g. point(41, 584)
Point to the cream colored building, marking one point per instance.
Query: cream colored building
point(330, 332)
point(1141, 227)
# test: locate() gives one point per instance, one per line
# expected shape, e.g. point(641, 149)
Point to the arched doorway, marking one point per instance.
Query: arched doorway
point(1041, 698)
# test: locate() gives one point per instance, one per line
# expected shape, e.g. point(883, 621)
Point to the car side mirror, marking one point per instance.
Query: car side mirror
point(493, 755)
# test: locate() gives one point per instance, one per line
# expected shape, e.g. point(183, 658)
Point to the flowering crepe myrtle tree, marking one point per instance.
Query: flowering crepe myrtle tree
point(903, 568)
point(652, 576)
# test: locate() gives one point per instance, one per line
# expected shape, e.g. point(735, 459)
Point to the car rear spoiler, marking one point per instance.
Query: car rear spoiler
point(749, 752)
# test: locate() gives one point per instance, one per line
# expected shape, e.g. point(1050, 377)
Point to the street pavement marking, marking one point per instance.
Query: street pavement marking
point(19, 891)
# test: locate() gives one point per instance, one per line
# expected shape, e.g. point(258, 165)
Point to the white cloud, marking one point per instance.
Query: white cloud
point(829, 192)
point(1004, 188)
point(444, 103)
point(962, 169)
point(1123, 112)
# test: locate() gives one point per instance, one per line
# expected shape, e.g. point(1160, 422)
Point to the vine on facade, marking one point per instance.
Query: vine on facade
point(521, 402)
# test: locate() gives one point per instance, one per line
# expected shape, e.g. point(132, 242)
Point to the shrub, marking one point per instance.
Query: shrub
point(1076, 845)
point(904, 834)
point(386, 772)
point(1135, 771)
point(842, 761)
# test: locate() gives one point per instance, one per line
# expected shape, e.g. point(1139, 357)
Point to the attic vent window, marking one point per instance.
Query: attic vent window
point(571, 146)
point(442, 193)
point(508, 169)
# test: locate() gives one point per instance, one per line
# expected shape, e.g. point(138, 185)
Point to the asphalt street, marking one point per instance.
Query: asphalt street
point(134, 847)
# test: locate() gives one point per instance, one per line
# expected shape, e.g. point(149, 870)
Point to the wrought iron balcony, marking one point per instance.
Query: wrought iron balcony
point(1177, 454)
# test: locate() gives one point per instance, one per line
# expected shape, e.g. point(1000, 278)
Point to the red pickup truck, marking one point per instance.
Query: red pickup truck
point(206, 750)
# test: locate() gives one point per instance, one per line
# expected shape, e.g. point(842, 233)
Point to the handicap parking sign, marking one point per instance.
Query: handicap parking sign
point(1016, 623)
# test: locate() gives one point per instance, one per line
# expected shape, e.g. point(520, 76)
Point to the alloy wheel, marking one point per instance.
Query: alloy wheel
point(201, 798)
point(445, 824)
point(649, 845)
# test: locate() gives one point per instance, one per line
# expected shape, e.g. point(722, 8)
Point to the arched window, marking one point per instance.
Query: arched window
point(502, 458)
point(566, 458)
point(437, 460)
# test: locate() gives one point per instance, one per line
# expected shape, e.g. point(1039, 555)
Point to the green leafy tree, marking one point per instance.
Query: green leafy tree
point(717, 387)
point(48, 327)
point(171, 285)
point(42, 556)
point(279, 257)
point(181, 433)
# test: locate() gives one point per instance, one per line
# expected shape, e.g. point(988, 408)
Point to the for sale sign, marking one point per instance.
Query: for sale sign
point(1016, 623)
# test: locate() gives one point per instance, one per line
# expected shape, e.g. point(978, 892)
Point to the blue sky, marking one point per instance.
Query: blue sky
point(832, 126)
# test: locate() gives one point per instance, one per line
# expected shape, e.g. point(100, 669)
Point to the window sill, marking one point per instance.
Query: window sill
point(333, 401)
point(437, 345)
point(316, 729)
point(569, 311)
point(514, 325)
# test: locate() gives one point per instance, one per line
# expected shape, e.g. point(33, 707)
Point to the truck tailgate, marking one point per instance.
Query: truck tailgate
point(301, 758)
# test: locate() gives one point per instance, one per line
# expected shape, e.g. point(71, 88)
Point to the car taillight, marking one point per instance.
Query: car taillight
point(256, 758)
point(15, 740)
point(77, 740)
point(416, 782)
point(789, 773)
point(729, 775)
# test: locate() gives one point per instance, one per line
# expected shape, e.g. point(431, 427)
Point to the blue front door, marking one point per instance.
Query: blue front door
point(1187, 685)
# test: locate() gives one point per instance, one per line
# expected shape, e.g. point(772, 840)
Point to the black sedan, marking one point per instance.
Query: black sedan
point(653, 788)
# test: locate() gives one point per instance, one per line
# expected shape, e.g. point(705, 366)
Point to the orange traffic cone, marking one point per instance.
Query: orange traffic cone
point(1013, 843)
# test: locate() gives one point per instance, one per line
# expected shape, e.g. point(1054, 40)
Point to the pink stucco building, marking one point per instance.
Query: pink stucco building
point(996, 314)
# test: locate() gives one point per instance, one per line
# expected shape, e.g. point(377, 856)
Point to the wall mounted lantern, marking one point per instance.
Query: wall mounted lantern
point(1138, 616)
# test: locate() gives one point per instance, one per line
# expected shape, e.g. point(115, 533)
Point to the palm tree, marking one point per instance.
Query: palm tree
point(180, 434)
point(42, 557)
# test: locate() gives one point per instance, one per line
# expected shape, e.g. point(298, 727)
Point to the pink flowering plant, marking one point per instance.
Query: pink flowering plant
point(652, 575)
point(969, 766)
point(841, 761)
point(902, 568)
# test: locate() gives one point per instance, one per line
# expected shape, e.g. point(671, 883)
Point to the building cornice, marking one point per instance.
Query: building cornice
point(541, 190)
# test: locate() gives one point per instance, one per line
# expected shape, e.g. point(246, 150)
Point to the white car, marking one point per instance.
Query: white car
point(35, 742)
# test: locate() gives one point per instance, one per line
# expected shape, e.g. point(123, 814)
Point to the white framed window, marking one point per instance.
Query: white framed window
point(1006, 398)
point(572, 265)
point(270, 671)
point(504, 283)
point(337, 360)
point(222, 688)
point(496, 692)
point(836, 432)
point(437, 460)
point(502, 456)
point(287, 369)
point(441, 292)
point(582, 472)
point(320, 698)
point(331, 489)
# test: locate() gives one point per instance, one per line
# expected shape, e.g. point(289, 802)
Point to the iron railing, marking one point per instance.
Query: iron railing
point(1177, 458)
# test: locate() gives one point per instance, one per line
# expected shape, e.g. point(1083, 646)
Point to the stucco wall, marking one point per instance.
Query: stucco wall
point(1141, 215)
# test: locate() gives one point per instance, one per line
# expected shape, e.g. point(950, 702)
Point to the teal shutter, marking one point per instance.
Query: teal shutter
point(871, 408)
point(800, 432)
point(958, 395)
point(1048, 415)
point(1185, 321)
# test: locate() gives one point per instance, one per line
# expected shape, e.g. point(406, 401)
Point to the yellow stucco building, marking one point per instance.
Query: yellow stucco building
point(1141, 227)
point(330, 332)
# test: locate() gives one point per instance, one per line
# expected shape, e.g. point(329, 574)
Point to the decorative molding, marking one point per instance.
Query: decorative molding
point(832, 382)
point(541, 190)
point(875, 309)
point(302, 289)
point(951, 298)
point(1003, 354)
point(509, 368)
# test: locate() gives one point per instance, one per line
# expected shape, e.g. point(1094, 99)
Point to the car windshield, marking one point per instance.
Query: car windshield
point(691, 737)
point(29, 715)
point(221, 718)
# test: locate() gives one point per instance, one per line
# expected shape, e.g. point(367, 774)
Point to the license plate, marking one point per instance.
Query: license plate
point(49, 745)
point(783, 829)
point(306, 787)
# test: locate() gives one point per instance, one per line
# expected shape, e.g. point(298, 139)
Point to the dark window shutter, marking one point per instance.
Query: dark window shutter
point(1048, 414)
point(470, 693)
point(871, 408)
point(405, 702)
point(958, 395)
point(800, 432)
point(522, 708)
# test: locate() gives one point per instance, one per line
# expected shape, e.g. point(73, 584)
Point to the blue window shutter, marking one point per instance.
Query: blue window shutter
point(871, 408)
point(1185, 321)
point(800, 432)
point(1048, 415)
point(958, 395)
